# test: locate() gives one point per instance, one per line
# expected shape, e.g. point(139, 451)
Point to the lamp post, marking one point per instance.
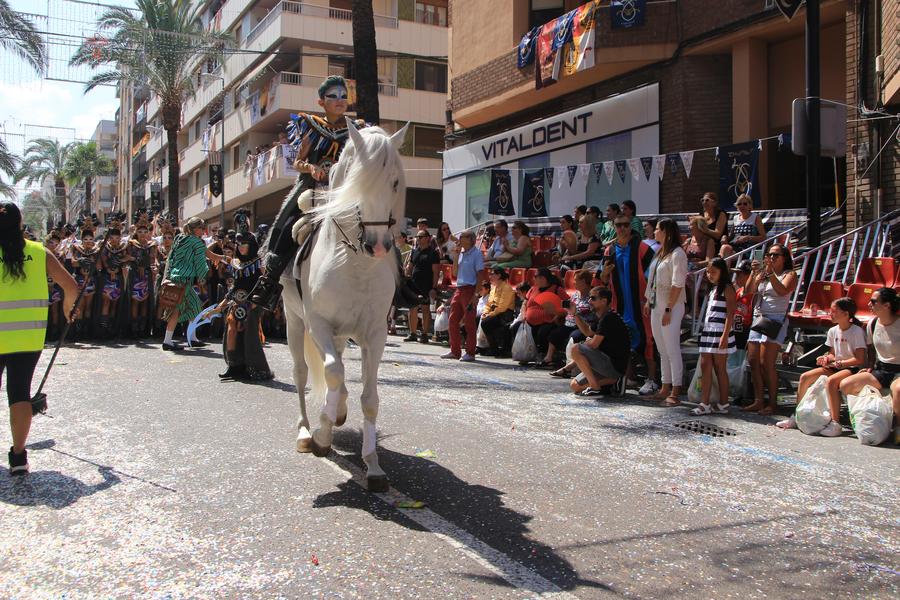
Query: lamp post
point(222, 151)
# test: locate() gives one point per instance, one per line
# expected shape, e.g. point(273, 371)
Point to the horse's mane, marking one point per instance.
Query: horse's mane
point(356, 179)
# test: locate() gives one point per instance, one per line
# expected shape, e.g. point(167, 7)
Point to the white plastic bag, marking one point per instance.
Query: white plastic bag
point(523, 348)
point(442, 322)
point(569, 345)
point(695, 390)
point(812, 411)
point(871, 416)
point(481, 339)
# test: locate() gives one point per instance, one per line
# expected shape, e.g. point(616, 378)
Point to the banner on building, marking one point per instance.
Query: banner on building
point(545, 57)
point(738, 173)
point(578, 53)
point(527, 47)
point(788, 7)
point(533, 204)
point(254, 107)
point(500, 201)
point(289, 154)
point(215, 180)
point(549, 176)
point(628, 13)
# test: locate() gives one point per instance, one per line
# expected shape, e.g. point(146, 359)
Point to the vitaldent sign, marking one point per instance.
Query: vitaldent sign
point(636, 108)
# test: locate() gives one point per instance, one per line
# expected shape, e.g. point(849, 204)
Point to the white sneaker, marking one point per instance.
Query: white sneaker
point(787, 423)
point(833, 429)
point(648, 388)
point(449, 355)
point(466, 357)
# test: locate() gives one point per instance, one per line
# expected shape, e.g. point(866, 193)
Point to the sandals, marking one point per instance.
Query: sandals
point(564, 373)
point(591, 392)
point(702, 409)
point(670, 401)
point(722, 409)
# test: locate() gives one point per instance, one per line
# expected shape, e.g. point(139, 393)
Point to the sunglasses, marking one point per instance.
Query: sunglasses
point(336, 96)
point(623, 225)
point(422, 236)
point(773, 255)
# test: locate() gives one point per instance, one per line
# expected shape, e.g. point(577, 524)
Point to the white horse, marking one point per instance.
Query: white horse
point(345, 287)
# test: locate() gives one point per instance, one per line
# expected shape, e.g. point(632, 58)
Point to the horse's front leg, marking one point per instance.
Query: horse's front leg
point(296, 335)
point(376, 479)
point(336, 392)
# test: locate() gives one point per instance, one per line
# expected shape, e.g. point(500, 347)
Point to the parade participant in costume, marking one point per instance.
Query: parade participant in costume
point(24, 268)
point(83, 258)
point(242, 345)
point(113, 257)
point(54, 291)
point(320, 142)
point(142, 250)
point(186, 263)
point(163, 248)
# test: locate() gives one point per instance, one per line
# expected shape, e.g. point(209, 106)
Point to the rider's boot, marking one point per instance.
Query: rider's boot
point(267, 290)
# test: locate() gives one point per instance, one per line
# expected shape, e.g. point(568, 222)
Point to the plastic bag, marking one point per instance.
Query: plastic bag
point(812, 411)
point(695, 390)
point(524, 348)
point(481, 339)
point(569, 345)
point(737, 373)
point(442, 321)
point(871, 416)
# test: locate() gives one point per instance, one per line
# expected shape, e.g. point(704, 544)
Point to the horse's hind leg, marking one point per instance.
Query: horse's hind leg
point(376, 479)
point(296, 335)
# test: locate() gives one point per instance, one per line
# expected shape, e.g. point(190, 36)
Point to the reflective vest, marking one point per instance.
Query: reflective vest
point(23, 304)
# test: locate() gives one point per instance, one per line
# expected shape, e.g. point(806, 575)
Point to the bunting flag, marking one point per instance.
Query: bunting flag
point(500, 202)
point(633, 165)
point(549, 176)
point(527, 47)
point(687, 159)
point(559, 177)
point(660, 160)
point(674, 161)
point(573, 169)
point(533, 204)
point(608, 167)
point(620, 168)
point(738, 173)
point(647, 163)
point(585, 170)
point(628, 13)
point(598, 168)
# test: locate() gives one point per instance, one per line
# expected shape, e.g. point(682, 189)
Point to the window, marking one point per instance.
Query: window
point(431, 77)
point(478, 192)
point(602, 193)
point(431, 12)
point(428, 141)
point(236, 156)
point(543, 11)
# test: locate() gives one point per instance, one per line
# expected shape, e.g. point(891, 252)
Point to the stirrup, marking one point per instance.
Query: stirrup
point(265, 294)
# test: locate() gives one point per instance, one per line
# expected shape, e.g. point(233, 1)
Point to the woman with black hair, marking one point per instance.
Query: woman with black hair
point(543, 305)
point(498, 313)
point(25, 267)
point(883, 333)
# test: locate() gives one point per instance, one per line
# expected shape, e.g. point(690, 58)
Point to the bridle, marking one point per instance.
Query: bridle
point(360, 237)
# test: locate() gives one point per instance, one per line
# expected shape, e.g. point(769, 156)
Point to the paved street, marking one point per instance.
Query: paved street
point(153, 479)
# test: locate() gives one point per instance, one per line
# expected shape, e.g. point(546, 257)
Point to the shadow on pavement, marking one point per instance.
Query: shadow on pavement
point(50, 488)
point(478, 510)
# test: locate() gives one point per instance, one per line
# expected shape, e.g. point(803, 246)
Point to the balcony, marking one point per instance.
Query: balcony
point(205, 93)
point(156, 143)
point(152, 107)
point(297, 91)
point(332, 27)
point(195, 155)
point(271, 174)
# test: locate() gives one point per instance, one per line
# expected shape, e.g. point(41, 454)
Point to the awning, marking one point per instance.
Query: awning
point(259, 71)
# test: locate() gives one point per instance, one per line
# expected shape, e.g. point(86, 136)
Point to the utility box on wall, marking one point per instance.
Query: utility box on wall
point(833, 128)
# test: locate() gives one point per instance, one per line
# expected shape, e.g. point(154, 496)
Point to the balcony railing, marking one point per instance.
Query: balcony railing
point(313, 10)
point(385, 89)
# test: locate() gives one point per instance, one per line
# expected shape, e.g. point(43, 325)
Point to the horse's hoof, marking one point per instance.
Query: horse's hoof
point(317, 450)
point(377, 484)
point(340, 420)
point(304, 445)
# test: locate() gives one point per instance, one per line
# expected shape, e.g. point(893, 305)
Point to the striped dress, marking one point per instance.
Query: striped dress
point(186, 264)
point(714, 325)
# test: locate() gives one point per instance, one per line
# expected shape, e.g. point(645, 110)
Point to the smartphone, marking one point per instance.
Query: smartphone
point(757, 254)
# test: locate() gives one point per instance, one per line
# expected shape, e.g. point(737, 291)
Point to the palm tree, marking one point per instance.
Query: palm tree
point(365, 61)
point(161, 48)
point(18, 35)
point(8, 166)
point(46, 159)
point(83, 164)
point(39, 209)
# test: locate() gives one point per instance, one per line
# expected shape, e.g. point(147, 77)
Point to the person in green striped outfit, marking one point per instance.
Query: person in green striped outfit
point(186, 265)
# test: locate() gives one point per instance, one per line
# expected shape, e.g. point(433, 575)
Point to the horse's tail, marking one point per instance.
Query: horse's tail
point(315, 365)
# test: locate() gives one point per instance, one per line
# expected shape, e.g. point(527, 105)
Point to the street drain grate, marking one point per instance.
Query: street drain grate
point(703, 428)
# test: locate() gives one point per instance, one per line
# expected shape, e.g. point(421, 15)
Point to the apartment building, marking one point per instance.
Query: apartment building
point(694, 75)
point(103, 189)
point(132, 182)
point(285, 49)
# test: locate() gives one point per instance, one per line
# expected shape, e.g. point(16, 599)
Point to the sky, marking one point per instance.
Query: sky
point(31, 107)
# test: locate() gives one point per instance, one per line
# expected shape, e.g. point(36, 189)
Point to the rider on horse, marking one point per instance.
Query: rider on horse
point(320, 142)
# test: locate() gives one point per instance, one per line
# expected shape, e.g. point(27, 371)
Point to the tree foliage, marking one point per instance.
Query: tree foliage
point(19, 36)
point(45, 159)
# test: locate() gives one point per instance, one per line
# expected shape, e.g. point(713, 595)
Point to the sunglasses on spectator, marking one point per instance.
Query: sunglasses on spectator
point(623, 224)
point(422, 235)
point(774, 255)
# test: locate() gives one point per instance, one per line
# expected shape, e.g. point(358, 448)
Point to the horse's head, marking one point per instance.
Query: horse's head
point(369, 178)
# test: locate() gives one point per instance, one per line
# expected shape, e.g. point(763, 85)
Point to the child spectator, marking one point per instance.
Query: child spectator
point(717, 337)
point(846, 344)
point(743, 312)
point(579, 305)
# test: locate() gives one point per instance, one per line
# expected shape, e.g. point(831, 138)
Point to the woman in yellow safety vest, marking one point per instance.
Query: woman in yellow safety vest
point(24, 267)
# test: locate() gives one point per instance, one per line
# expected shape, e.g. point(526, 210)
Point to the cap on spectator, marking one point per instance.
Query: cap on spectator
point(744, 266)
point(422, 221)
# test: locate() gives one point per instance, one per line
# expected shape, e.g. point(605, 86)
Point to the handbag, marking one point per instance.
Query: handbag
point(407, 294)
point(766, 326)
point(170, 294)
